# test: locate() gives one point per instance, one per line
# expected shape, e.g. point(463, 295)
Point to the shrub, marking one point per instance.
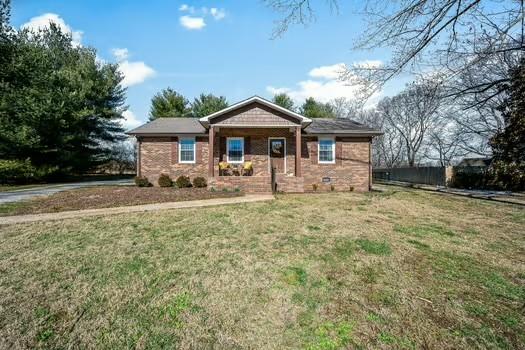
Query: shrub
point(16, 170)
point(314, 187)
point(332, 188)
point(352, 188)
point(142, 181)
point(165, 181)
point(199, 182)
point(183, 182)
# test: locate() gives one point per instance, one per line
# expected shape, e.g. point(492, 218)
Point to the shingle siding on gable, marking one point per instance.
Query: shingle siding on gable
point(254, 113)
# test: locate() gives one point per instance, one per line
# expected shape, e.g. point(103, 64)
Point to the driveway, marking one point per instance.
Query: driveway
point(46, 190)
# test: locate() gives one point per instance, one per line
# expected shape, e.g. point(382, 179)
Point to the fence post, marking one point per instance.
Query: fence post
point(449, 174)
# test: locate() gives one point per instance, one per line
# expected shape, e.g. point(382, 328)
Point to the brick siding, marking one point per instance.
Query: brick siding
point(159, 155)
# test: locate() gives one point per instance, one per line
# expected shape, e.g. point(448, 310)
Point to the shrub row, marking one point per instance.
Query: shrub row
point(165, 181)
point(23, 171)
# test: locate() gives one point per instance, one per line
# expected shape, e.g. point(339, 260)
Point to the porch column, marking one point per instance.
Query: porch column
point(138, 157)
point(211, 142)
point(298, 151)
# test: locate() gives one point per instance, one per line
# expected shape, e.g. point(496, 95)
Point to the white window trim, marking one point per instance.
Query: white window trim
point(228, 150)
point(285, 154)
point(319, 161)
point(194, 150)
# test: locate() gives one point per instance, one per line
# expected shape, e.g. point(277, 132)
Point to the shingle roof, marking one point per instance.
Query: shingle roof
point(339, 126)
point(170, 126)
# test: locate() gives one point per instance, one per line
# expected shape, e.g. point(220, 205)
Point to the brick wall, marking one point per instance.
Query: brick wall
point(351, 168)
point(250, 184)
point(160, 155)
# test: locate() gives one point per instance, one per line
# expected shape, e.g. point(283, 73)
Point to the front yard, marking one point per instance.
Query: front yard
point(107, 197)
point(401, 269)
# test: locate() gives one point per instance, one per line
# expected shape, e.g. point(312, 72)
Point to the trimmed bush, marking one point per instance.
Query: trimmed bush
point(142, 181)
point(199, 182)
point(165, 181)
point(183, 182)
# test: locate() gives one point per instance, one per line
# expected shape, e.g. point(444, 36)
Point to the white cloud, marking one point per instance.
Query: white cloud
point(187, 8)
point(328, 72)
point(192, 23)
point(135, 72)
point(218, 14)
point(325, 86)
point(130, 121)
point(43, 21)
point(120, 54)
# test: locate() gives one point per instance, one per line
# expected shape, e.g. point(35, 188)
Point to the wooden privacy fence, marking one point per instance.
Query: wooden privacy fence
point(429, 175)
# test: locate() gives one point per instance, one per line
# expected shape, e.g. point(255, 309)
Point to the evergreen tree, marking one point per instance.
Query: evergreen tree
point(284, 101)
point(207, 104)
point(508, 146)
point(169, 104)
point(313, 109)
point(59, 108)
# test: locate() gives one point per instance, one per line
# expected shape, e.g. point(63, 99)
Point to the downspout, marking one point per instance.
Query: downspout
point(370, 165)
point(139, 172)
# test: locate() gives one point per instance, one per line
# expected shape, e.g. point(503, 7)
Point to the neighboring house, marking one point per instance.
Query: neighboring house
point(308, 154)
point(483, 162)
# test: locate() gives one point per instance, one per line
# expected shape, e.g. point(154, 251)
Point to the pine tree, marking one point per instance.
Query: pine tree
point(509, 145)
point(207, 104)
point(169, 104)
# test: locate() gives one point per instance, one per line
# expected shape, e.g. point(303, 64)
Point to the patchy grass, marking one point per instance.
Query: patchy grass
point(408, 270)
point(372, 247)
point(107, 197)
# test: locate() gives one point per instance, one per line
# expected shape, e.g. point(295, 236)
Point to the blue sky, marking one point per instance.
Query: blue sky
point(219, 47)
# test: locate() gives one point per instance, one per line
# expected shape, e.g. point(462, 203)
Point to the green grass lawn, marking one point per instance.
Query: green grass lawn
point(403, 269)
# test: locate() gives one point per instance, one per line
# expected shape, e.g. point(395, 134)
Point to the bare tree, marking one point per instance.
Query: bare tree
point(295, 12)
point(388, 150)
point(444, 144)
point(123, 157)
point(345, 108)
point(449, 35)
point(413, 113)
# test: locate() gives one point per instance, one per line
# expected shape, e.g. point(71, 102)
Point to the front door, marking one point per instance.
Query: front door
point(277, 153)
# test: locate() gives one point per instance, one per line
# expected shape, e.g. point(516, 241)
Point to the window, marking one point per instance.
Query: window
point(235, 150)
point(187, 150)
point(327, 151)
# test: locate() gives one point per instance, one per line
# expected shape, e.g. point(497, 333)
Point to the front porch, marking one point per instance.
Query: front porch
point(257, 184)
point(243, 157)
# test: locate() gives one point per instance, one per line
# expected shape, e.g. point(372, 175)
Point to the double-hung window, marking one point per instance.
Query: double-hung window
point(326, 150)
point(187, 150)
point(235, 149)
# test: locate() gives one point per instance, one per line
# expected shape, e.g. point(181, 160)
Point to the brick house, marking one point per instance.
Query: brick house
point(236, 147)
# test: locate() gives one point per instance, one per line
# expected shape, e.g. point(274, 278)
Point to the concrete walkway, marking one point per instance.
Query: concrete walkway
point(19, 219)
point(46, 190)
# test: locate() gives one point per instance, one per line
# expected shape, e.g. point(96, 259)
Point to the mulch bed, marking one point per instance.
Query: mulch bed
point(112, 196)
